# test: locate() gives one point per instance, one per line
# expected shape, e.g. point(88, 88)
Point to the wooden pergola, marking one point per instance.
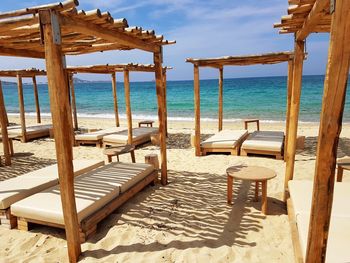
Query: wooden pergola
point(220, 63)
point(53, 31)
point(113, 69)
point(306, 17)
point(20, 74)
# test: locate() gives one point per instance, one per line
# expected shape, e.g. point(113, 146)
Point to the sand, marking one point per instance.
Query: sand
point(186, 221)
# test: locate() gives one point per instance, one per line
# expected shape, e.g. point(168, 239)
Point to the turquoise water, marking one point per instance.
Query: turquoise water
point(263, 98)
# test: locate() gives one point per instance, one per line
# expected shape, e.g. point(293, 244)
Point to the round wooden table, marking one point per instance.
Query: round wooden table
point(250, 173)
point(343, 164)
point(118, 150)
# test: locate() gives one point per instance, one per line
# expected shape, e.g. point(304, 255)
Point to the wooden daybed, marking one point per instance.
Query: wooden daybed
point(299, 207)
point(18, 188)
point(97, 194)
point(225, 141)
point(95, 138)
point(264, 142)
point(139, 136)
point(31, 132)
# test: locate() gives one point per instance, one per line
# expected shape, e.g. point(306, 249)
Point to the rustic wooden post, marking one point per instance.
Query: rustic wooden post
point(62, 126)
point(128, 104)
point(115, 99)
point(165, 99)
point(4, 134)
point(294, 112)
point(221, 81)
point(73, 102)
point(197, 112)
point(330, 127)
point(157, 59)
point(36, 98)
point(289, 97)
point(21, 108)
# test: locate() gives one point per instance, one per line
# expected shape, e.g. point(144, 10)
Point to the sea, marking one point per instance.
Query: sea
point(258, 97)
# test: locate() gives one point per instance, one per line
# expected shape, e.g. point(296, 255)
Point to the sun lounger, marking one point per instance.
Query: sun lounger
point(264, 142)
point(18, 188)
point(97, 194)
point(299, 207)
point(96, 137)
point(32, 131)
point(224, 141)
point(139, 136)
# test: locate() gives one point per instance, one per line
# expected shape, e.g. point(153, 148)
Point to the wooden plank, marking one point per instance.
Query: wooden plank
point(298, 254)
point(115, 98)
point(5, 51)
point(73, 101)
point(197, 111)
point(294, 111)
point(221, 83)
point(36, 98)
point(289, 98)
point(62, 127)
point(157, 59)
point(335, 85)
point(165, 99)
point(313, 18)
point(4, 133)
point(128, 105)
point(21, 108)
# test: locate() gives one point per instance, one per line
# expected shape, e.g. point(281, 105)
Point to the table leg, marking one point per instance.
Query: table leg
point(132, 153)
point(245, 125)
point(258, 125)
point(340, 173)
point(109, 158)
point(11, 147)
point(264, 197)
point(118, 158)
point(229, 189)
point(256, 198)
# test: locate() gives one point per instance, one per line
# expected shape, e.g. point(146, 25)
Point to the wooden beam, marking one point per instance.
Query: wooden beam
point(312, 20)
point(115, 99)
point(62, 127)
point(335, 85)
point(197, 111)
point(294, 111)
point(21, 108)
point(88, 28)
point(165, 101)
point(36, 98)
point(20, 53)
point(3, 125)
point(221, 83)
point(128, 104)
point(73, 102)
point(157, 58)
point(288, 105)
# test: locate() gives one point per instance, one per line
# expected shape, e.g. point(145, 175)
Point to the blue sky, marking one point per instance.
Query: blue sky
point(201, 28)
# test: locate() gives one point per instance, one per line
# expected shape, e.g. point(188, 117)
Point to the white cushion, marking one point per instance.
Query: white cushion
point(97, 135)
point(138, 134)
point(224, 139)
point(18, 188)
point(93, 190)
point(264, 141)
point(30, 129)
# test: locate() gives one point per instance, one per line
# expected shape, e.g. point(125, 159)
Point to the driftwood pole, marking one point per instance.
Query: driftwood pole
point(165, 99)
point(221, 81)
point(36, 98)
point(74, 105)
point(330, 127)
point(128, 104)
point(157, 59)
point(4, 134)
point(21, 108)
point(289, 97)
point(294, 111)
point(62, 126)
point(115, 99)
point(197, 112)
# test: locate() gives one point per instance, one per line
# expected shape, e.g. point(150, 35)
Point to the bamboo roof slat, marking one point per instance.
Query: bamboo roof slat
point(24, 73)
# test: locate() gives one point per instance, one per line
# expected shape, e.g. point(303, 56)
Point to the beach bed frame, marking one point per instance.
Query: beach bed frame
point(6, 140)
point(318, 16)
point(96, 137)
point(100, 32)
point(219, 63)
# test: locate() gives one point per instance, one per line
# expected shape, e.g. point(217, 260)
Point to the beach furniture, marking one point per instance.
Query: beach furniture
point(30, 132)
point(119, 150)
point(97, 194)
point(258, 175)
point(247, 121)
point(146, 123)
point(224, 141)
point(264, 142)
point(139, 136)
point(343, 164)
point(18, 188)
point(95, 138)
point(299, 210)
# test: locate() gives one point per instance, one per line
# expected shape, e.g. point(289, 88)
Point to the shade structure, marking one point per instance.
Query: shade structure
point(53, 31)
